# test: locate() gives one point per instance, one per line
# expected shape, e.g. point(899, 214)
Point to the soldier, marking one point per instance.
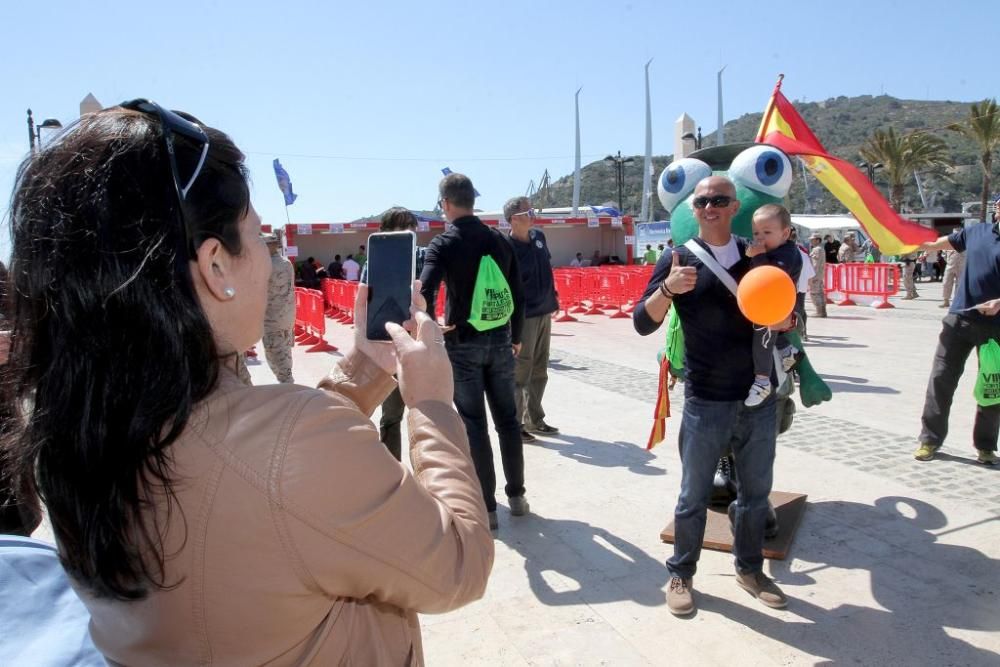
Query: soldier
point(279, 319)
point(954, 264)
point(817, 254)
point(849, 250)
point(909, 280)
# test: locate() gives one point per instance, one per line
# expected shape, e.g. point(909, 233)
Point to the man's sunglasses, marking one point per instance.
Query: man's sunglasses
point(718, 201)
point(530, 213)
point(175, 124)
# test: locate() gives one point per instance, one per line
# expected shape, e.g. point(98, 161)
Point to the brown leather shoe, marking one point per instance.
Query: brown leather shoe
point(680, 599)
point(761, 587)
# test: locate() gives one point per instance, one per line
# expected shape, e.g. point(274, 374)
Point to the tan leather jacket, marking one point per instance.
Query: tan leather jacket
point(297, 539)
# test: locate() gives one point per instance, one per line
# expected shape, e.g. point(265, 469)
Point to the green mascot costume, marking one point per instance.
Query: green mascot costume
point(762, 175)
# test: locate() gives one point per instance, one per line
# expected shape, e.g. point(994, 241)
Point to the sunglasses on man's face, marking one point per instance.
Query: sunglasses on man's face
point(173, 124)
point(718, 201)
point(530, 213)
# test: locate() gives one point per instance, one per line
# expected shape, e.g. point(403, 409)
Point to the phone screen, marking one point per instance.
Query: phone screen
point(391, 258)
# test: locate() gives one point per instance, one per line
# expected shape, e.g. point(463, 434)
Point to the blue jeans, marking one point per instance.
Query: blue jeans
point(709, 428)
point(483, 364)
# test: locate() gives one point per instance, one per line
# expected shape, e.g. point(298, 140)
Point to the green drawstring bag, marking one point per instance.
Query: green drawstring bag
point(987, 389)
point(492, 300)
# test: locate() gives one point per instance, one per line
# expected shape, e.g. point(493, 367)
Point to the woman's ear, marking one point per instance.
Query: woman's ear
point(215, 268)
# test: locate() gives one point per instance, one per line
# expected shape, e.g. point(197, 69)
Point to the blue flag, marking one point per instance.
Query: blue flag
point(606, 210)
point(284, 183)
point(447, 171)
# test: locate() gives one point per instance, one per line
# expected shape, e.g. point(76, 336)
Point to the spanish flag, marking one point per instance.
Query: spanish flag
point(783, 127)
point(662, 408)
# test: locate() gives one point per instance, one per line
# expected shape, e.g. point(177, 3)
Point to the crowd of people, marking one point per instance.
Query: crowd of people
point(274, 524)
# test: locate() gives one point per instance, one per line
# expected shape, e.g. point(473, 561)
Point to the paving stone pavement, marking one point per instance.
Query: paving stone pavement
point(868, 449)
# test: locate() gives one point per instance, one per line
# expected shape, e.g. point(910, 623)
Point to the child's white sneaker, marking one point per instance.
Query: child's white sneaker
point(788, 357)
point(759, 391)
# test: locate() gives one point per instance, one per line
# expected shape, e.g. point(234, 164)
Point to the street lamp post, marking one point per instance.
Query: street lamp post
point(619, 163)
point(870, 169)
point(35, 131)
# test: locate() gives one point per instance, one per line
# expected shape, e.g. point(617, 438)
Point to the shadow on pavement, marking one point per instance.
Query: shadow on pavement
point(603, 454)
point(921, 585)
point(605, 567)
point(839, 387)
point(969, 460)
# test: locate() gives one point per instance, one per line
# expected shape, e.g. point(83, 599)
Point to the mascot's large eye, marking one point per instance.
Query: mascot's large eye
point(678, 180)
point(763, 168)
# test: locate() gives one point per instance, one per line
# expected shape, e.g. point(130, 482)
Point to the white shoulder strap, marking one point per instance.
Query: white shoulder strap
point(713, 265)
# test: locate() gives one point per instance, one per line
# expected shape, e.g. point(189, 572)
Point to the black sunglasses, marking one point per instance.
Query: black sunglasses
point(173, 123)
point(718, 201)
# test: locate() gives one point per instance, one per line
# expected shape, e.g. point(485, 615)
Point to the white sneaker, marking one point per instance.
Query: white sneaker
point(758, 392)
point(788, 357)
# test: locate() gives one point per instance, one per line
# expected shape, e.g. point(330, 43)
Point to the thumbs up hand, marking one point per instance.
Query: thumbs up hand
point(681, 278)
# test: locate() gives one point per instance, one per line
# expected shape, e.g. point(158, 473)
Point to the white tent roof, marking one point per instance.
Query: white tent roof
point(826, 223)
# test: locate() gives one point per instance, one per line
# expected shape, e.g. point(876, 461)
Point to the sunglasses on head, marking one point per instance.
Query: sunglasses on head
point(172, 123)
point(718, 201)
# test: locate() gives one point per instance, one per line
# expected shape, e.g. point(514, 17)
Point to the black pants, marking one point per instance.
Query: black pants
point(390, 425)
point(483, 366)
point(959, 337)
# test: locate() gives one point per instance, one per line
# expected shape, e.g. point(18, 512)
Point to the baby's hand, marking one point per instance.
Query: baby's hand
point(756, 248)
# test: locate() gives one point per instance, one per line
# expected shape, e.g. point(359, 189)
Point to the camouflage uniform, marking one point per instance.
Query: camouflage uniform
point(952, 271)
point(909, 267)
point(279, 319)
point(847, 254)
point(816, 284)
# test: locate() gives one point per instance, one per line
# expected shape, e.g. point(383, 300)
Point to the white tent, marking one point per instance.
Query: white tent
point(836, 225)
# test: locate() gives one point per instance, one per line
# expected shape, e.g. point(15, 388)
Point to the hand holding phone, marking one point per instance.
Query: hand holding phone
point(391, 268)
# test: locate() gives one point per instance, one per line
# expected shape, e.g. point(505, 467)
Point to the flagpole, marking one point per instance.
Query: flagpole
point(287, 219)
point(770, 110)
point(647, 165)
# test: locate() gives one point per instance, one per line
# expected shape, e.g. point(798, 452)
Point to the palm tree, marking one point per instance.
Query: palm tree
point(901, 155)
point(983, 127)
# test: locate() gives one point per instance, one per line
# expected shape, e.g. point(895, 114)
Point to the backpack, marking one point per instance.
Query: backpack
point(492, 299)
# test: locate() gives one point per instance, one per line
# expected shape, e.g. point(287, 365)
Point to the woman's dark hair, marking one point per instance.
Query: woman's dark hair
point(111, 350)
point(396, 219)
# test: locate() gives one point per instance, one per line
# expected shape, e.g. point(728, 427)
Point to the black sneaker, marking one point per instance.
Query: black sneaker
point(543, 428)
point(527, 437)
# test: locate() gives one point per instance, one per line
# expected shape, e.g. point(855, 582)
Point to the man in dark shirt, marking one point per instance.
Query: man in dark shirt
point(719, 371)
point(531, 372)
point(482, 361)
point(832, 248)
point(336, 270)
point(971, 321)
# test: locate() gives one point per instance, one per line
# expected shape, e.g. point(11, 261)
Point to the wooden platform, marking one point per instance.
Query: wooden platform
point(789, 506)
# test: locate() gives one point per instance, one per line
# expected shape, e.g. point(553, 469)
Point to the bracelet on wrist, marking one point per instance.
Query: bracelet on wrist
point(665, 291)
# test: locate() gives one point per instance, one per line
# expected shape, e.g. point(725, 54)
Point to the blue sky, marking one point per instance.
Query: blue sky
point(365, 102)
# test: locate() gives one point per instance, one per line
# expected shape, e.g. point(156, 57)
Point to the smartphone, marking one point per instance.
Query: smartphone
point(391, 265)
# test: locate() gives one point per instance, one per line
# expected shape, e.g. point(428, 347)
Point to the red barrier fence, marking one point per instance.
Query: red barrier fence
point(879, 281)
point(339, 296)
point(592, 291)
point(310, 320)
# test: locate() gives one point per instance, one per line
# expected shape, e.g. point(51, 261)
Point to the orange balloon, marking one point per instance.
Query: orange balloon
point(766, 295)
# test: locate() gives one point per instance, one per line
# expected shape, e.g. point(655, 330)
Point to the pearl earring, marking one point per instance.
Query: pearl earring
point(230, 292)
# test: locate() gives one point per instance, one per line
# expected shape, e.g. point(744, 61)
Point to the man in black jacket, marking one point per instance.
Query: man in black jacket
point(531, 370)
point(482, 361)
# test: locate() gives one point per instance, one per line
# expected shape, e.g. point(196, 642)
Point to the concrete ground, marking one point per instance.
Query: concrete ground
point(896, 561)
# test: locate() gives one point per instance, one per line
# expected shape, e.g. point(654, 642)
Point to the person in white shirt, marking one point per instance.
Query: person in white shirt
point(352, 270)
point(577, 261)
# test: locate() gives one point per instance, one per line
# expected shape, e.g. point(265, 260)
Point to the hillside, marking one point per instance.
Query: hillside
point(842, 124)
